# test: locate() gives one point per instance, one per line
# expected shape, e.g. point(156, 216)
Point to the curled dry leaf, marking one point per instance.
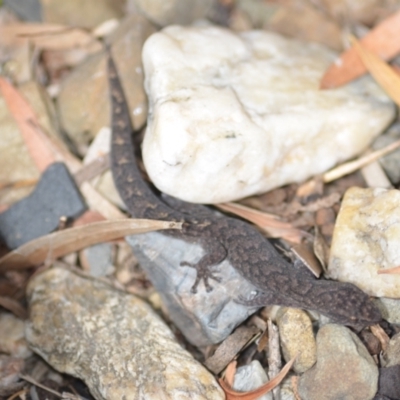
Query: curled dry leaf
point(382, 40)
point(254, 394)
point(271, 224)
point(49, 247)
point(382, 72)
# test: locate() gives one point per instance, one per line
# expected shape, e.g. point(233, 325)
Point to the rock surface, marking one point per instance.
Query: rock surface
point(390, 309)
point(365, 241)
point(234, 115)
point(391, 356)
point(168, 12)
point(114, 341)
point(297, 338)
point(83, 103)
point(204, 318)
point(344, 368)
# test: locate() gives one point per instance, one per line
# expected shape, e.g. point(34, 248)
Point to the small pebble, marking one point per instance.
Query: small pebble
point(297, 338)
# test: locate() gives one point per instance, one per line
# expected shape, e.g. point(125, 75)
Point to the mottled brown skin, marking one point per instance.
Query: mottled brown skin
point(223, 237)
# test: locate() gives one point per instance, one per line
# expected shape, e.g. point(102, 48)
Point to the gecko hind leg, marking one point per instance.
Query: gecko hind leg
point(205, 267)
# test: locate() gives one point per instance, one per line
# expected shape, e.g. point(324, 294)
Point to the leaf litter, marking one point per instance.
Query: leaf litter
point(289, 223)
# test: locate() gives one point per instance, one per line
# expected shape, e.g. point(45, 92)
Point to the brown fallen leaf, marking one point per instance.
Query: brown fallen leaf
point(49, 247)
point(383, 40)
point(381, 335)
point(14, 306)
point(271, 224)
point(382, 72)
point(254, 394)
point(394, 271)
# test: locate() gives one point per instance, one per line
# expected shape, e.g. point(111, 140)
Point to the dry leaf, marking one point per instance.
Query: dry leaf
point(255, 394)
point(381, 335)
point(394, 271)
point(307, 257)
point(48, 36)
point(49, 247)
point(382, 72)
point(14, 306)
point(382, 40)
point(352, 166)
point(270, 223)
point(321, 249)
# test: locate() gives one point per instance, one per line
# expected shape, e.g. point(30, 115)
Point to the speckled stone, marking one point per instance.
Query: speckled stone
point(112, 340)
point(297, 338)
point(366, 240)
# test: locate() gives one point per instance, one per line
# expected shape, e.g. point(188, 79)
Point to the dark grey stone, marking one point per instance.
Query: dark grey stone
point(389, 382)
point(55, 196)
point(28, 10)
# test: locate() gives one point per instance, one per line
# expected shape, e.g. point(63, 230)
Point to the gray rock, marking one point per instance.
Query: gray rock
point(112, 340)
point(205, 317)
point(389, 382)
point(55, 196)
point(29, 10)
point(390, 309)
point(390, 162)
point(391, 356)
point(168, 12)
point(297, 338)
point(251, 377)
point(344, 368)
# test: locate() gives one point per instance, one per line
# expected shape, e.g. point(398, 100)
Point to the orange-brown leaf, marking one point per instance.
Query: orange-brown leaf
point(383, 40)
point(255, 394)
point(26, 121)
point(383, 73)
point(395, 270)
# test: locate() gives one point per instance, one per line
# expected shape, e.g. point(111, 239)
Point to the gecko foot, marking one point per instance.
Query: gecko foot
point(203, 274)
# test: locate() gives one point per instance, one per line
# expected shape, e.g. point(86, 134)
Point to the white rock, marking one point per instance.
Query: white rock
point(233, 115)
point(366, 240)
